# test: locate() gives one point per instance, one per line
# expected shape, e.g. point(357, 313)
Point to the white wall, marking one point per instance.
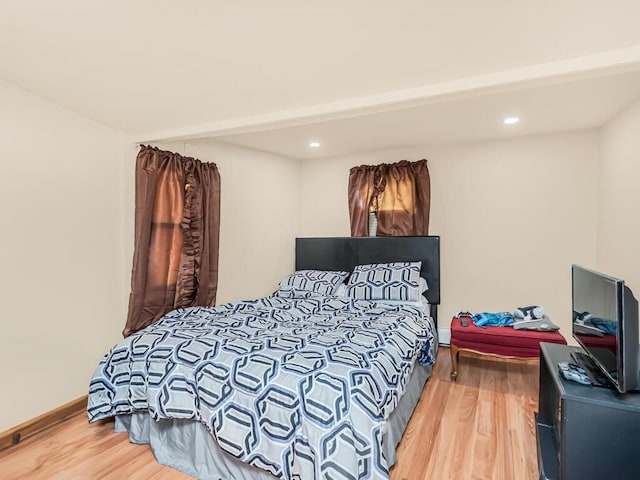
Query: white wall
point(259, 212)
point(619, 206)
point(259, 216)
point(60, 251)
point(512, 215)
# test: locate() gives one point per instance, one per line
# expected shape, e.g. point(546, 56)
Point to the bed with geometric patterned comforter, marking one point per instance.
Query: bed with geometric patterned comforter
point(297, 384)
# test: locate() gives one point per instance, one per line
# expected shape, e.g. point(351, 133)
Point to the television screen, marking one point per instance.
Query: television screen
point(597, 308)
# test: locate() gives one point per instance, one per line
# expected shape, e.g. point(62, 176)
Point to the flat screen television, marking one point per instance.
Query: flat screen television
point(605, 324)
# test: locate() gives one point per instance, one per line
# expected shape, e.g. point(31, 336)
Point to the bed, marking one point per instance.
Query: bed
point(302, 384)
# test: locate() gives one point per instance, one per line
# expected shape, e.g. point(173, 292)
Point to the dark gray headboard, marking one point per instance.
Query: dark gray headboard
point(344, 253)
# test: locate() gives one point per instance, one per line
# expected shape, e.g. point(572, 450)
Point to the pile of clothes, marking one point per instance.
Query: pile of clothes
point(523, 318)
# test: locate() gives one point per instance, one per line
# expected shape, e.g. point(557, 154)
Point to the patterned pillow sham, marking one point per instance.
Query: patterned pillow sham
point(320, 281)
point(424, 286)
point(386, 281)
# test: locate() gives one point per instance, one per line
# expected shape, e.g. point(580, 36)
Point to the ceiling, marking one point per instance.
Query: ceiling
point(159, 69)
point(575, 105)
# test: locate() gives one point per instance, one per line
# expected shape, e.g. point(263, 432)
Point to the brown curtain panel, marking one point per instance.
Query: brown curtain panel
point(399, 193)
point(177, 225)
point(360, 193)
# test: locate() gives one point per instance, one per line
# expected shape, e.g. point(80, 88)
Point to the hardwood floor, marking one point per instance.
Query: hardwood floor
point(478, 428)
point(481, 427)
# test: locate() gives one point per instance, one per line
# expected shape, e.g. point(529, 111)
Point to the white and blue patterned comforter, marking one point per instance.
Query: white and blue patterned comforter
point(299, 387)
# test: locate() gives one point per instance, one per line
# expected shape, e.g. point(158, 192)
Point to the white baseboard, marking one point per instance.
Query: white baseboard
point(444, 335)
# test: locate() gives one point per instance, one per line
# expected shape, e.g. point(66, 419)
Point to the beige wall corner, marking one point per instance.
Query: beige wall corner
point(619, 198)
point(259, 212)
point(513, 216)
point(60, 256)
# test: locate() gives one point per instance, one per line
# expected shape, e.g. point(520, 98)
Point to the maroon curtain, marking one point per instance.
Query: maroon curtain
point(398, 193)
point(177, 224)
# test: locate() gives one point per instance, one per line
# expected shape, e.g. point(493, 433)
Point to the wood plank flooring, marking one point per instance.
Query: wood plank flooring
point(478, 428)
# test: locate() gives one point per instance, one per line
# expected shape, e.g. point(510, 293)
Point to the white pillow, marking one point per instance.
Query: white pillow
point(324, 282)
point(386, 281)
point(423, 285)
point(341, 291)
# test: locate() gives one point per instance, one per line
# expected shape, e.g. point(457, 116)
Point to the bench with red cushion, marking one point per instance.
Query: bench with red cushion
point(497, 341)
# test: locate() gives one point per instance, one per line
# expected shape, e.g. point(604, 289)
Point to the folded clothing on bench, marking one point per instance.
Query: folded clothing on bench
point(487, 319)
point(523, 318)
point(501, 341)
point(543, 324)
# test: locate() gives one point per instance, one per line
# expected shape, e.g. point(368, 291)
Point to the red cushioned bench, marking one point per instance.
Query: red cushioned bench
point(496, 341)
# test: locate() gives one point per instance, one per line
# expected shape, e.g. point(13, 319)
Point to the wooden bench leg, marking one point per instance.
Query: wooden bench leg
point(455, 354)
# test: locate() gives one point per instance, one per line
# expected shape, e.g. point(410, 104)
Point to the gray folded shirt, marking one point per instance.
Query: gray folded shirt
point(543, 324)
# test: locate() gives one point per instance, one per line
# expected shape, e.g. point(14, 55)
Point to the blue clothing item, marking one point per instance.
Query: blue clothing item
point(607, 326)
point(500, 319)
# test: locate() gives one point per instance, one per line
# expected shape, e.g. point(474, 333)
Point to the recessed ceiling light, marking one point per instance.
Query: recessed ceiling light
point(314, 144)
point(511, 120)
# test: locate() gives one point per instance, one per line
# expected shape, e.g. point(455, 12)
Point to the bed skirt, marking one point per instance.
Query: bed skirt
point(188, 446)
